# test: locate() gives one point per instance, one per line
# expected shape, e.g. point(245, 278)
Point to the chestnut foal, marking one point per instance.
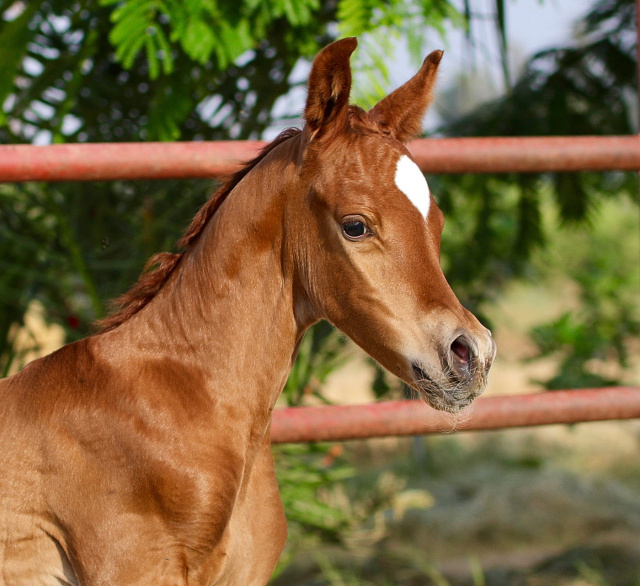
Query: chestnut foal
point(141, 455)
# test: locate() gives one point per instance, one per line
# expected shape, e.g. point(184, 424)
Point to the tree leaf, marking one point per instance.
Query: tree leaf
point(152, 56)
point(198, 41)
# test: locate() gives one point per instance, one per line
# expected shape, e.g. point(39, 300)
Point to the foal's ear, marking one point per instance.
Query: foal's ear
point(329, 86)
point(401, 112)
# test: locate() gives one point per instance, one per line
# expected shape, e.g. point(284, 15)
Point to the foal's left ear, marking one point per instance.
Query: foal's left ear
point(329, 87)
point(401, 112)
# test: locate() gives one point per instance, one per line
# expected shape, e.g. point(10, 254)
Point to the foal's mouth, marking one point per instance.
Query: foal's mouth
point(450, 394)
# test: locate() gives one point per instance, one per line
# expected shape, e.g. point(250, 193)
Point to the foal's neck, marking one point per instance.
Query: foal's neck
point(228, 310)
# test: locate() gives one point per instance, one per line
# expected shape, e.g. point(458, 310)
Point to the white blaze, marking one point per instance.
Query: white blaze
point(412, 183)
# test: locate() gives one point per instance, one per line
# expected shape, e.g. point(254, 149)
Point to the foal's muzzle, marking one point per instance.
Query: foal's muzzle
point(465, 361)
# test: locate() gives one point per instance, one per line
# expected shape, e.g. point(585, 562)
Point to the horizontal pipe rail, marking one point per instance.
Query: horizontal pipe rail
point(532, 154)
point(401, 418)
point(127, 160)
point(183, 160)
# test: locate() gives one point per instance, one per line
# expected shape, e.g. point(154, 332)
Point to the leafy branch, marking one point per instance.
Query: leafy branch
point(202, 29)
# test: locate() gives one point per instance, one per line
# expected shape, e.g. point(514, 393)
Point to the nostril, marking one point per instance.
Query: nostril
point(461, 350)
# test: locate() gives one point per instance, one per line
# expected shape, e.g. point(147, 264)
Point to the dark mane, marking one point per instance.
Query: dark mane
point(160, 266)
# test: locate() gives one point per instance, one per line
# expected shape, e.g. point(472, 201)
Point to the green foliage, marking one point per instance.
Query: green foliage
point(607, 322)
point(222, 32)
point(322, 351)
point(165, 70)
point(48, 255)
point(381, 28)
point(159, 79)
point(15, 36)
point(203, 30)
point(22, 259)
point(351, 516)
point(303, 472)
point(300, 475)
point(585, 88)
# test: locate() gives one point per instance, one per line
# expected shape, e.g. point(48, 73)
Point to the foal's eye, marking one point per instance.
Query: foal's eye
point(354, 230)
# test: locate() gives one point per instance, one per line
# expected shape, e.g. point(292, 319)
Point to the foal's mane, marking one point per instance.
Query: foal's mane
point(160, 266)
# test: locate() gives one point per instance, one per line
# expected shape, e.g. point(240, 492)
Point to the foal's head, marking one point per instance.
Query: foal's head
point(367, 236)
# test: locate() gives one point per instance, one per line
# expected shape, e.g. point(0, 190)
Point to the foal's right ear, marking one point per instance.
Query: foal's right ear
point(400, 113)
point(329, 87)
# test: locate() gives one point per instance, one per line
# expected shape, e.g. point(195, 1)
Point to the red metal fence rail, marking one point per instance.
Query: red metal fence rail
point(106, 162)
point(400, 418)
point(186, 160)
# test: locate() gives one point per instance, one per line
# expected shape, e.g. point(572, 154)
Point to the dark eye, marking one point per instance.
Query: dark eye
point(354, 229)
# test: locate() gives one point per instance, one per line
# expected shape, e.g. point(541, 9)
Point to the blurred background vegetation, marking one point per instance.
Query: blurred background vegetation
point(136, 70)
